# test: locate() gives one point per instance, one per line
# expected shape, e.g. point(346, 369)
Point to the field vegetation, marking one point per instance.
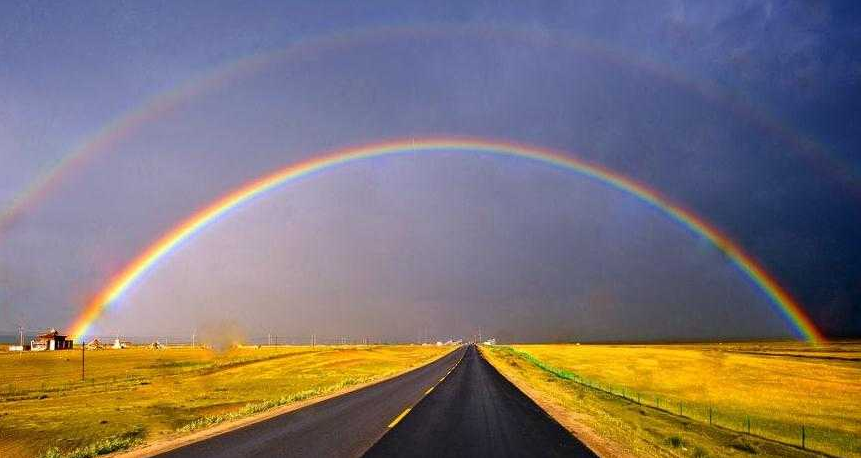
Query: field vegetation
point(699, 400)
point(138, 395)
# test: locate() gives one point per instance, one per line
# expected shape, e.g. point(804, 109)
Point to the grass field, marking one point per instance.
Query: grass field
point(777, 387)
point(136, 395)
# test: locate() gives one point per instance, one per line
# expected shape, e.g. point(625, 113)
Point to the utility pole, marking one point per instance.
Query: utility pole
point(83, 351)
point(21, 335)
point(193, 335)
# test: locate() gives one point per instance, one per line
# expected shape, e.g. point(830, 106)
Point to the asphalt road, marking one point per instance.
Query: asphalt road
point(476, 412)
point(447, 408)
point(343, 426)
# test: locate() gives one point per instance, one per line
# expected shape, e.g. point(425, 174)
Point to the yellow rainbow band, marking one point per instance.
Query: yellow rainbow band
point(193, 224)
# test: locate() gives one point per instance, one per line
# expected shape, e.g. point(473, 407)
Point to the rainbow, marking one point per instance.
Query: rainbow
point(129, 122)
point(192, 225)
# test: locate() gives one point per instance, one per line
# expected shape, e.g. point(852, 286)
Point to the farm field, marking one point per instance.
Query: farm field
point(657, 399)
point(140, 395)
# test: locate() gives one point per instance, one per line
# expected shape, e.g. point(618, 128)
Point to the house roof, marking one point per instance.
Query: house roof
point(51, 334)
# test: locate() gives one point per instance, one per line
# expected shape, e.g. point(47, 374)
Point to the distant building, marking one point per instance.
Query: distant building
point(49, 341)
point(95, 344)
point(120, 344)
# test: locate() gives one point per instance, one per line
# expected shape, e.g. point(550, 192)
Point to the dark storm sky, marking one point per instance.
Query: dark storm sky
point(744, 112)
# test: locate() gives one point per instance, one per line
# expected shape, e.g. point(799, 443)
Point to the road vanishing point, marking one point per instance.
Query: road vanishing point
point(458, 405)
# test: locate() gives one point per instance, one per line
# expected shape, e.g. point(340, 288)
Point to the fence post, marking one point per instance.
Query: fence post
point(680, 408)
point(638, 398)
point(748, 425)
point(710, 415)
point(803, 437)
point(658, 401)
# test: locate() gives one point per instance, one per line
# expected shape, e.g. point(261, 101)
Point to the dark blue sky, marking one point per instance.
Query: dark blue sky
point(744, 112)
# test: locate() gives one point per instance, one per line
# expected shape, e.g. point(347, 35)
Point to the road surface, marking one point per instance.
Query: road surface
point(343, 426)
point(477, 412)
point(447, 408)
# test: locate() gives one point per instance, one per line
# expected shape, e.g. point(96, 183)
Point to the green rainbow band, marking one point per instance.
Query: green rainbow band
point(145, 261)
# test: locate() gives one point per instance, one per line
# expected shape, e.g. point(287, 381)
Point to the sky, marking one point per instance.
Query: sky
point(743, 112)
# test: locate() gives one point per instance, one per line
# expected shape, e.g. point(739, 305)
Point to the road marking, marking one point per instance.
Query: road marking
point(399, 417)
point(405, 412)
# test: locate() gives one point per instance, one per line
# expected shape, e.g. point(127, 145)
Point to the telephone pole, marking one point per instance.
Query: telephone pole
point(83, 350)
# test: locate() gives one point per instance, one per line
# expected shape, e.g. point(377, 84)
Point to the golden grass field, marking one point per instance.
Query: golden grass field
point(778, 386)
point(137, 394)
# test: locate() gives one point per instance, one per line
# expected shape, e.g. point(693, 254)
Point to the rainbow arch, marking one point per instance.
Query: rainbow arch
point(185, 230)
point(127, 123)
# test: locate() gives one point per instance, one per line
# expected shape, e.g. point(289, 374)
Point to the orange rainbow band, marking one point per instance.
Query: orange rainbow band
point(148, 259)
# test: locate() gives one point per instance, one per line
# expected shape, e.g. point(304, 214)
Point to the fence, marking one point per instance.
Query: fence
point(819, 439)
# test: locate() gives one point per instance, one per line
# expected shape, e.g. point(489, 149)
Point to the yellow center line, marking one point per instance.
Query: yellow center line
point(429, 390)
point(399, 417)
point(442, 379)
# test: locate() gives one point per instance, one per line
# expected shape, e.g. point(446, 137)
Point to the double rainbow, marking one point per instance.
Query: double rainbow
point(130, 122)
point(169, 242)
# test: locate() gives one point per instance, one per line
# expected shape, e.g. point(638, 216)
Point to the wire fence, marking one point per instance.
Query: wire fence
point(817, 439)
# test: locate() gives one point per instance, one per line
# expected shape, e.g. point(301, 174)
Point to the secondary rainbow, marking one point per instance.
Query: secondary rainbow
point(158, 250)
point(128, 123)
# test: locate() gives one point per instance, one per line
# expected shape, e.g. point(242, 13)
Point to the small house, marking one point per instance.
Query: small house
point(49, 341)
